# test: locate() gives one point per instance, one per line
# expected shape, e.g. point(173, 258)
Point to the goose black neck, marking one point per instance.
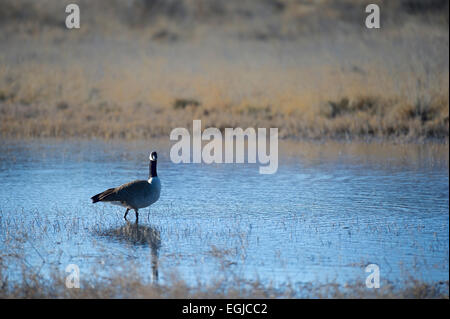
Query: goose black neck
point(152, 169)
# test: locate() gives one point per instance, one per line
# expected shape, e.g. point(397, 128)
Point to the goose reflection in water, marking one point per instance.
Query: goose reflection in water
point(139, 235)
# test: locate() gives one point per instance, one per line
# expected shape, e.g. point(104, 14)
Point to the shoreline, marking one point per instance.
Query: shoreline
point(402, 140)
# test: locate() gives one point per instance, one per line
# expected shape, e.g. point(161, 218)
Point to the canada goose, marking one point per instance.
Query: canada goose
point(136, 194)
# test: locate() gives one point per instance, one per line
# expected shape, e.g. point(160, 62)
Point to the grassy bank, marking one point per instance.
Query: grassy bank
point(312, 70)
point(367, 117)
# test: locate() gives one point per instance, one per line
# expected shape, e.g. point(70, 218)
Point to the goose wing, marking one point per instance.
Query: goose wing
point(121, 193)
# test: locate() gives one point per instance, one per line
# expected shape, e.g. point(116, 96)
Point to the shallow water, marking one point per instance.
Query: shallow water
point(331, 209)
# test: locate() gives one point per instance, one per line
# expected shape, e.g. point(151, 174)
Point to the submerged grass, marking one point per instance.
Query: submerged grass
point(44, 275)
point(130, 284)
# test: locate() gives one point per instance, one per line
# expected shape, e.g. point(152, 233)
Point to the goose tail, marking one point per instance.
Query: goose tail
point(96, 198)
point(102, 196)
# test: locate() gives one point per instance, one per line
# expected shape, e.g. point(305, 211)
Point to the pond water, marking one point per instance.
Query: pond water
point(330, 210)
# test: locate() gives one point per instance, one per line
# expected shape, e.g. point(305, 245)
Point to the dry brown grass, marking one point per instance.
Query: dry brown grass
point(310, 69)
point(129, 284)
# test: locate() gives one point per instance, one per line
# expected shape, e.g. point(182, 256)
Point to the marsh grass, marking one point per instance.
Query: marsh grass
point(120, 275)
point(309, 69)
point(130, 284)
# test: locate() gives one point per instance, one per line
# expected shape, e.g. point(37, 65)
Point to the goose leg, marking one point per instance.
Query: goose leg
point(126, 213)
point(137, 215)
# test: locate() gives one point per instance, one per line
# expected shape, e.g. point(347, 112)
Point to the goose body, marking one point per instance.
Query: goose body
point(136, 194)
